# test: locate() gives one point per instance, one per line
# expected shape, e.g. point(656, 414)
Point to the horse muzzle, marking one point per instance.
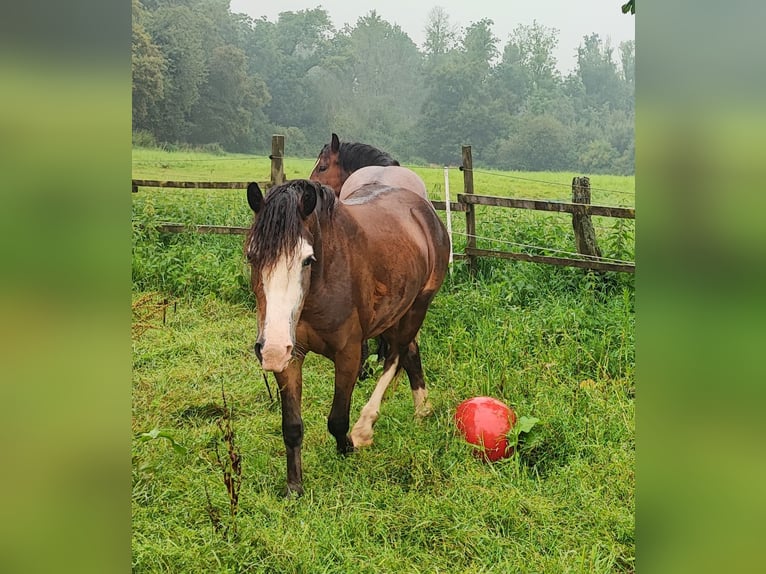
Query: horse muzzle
point(274, 356)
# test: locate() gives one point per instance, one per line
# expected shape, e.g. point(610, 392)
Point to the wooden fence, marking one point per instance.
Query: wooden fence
point(580, 208)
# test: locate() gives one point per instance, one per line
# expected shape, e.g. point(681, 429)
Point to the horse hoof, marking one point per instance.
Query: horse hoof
point(346, 448)
point(362, 442)
point(424, 410)
point(294, 491)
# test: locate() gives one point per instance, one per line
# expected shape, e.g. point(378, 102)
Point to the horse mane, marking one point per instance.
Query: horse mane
point(279, 223)
point(353, 156)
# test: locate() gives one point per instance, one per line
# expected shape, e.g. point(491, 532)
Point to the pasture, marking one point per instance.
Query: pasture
point(555, 343)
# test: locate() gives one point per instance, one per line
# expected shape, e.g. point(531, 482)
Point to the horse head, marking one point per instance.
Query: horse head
point(281, 252)
point(328, 170)
point(338, 160)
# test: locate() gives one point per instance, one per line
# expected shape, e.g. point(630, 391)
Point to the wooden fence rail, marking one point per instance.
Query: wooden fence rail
point(215, 229)
point(563, 261)
point(541, 205)
point(581, 210)
point(194, 184)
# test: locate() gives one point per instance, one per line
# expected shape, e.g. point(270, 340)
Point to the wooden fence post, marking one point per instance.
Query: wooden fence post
point(585, 235)
point(277, 159)
point(470, 213)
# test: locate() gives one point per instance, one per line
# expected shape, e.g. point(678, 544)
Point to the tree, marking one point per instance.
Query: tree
point(149, 67)
point(441, 35)
point(480, 45)
point(229, 99)
point(372, 82)
point(178, 33)
point(536, 44)
point(508, 87)
point(285, 55)
point(537, 143)
point(628, 69)
point(598, 73)
point(457, 107)
point(598, 157)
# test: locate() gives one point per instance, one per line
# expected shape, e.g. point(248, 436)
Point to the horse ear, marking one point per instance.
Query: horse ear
point(254, 197)
point(335, 143)
point(308, 201)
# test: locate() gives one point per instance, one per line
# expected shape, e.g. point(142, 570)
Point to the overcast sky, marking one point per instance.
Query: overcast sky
point(572, 18)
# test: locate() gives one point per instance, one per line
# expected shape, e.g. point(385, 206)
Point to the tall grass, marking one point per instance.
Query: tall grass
point(554, 343)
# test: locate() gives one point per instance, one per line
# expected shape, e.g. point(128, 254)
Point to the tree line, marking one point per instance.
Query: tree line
point(205, 76)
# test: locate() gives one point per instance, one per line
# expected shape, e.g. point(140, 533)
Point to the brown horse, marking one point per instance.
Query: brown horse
point(358, 164)
point(338, 161)
point(328, 275)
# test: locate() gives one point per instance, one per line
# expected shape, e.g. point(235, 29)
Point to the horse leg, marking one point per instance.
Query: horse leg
point(290, 383)
point(346, 372)
point(364, 370)
point(361, 434)
point(414, 368)
point(382, 348)
point(407, 330)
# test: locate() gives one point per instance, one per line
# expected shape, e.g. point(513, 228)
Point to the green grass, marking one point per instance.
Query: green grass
point(416, 501)
point(190, 165)
point(176, 263)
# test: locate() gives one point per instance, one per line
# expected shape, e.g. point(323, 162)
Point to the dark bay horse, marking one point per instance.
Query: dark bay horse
point(358, 164)
point(327, 276)
point(338, 161)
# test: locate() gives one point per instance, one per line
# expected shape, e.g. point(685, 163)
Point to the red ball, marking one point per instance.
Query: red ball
point(485, 422)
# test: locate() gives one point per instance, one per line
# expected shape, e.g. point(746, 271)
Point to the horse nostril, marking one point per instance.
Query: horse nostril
point(257, 348)
point(289, 349)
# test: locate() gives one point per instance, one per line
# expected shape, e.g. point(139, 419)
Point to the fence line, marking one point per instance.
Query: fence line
point(551, 249)
point(548, 182)
point(238, 230)
point(564, 262)
point(545, 205)
point(179, 160)
point(215, 229)
point(581, 210)
point(194, 184)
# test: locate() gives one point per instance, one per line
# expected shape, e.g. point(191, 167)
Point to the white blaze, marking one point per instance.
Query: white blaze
point(283, 289)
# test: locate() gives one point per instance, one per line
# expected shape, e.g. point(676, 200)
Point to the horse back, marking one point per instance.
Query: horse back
point(400, 229)
point(391, 176)
point(398, 251)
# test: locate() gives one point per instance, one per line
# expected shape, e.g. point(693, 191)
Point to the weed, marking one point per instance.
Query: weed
point(230, 466)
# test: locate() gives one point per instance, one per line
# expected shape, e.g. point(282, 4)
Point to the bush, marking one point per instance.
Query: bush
point(144, 138)
point(540, 143)
point(598, 157)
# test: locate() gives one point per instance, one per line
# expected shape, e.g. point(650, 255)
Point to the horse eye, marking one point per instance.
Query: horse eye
point(321, 168)
point(308, 261)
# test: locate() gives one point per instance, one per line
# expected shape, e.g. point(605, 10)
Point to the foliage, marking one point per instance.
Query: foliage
point(224, 113)
point(149, 67)
point(204, 75)
point(596, 68)
point(537, 142)
point(597, 157)
point(143, 138)
point(441, 36)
